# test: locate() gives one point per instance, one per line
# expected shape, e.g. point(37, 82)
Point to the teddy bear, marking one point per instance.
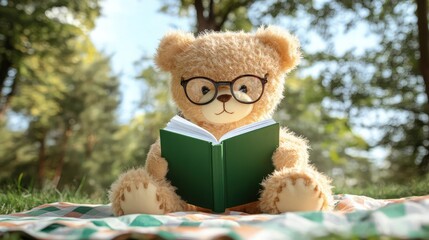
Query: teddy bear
point(268, 53)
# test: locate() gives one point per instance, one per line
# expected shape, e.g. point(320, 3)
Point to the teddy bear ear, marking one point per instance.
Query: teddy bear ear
point(286, 45)
point(172, 44)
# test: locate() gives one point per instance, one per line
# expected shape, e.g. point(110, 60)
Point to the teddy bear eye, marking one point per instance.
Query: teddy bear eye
point(243, 89)
point(205, 90)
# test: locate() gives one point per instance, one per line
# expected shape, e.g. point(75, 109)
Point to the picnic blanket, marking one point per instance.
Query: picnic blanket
point(354, 217)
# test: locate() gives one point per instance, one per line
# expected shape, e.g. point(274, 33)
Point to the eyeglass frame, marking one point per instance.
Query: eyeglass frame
point(263, 80)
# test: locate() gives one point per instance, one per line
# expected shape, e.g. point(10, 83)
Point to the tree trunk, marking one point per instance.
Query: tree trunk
point(4, 69)
point(422, 23)
point(91, 140)
point(5, 66)
point(205, 22)
point(63, 150)
point(206, 16)
point(8, 98)
point(42, 160)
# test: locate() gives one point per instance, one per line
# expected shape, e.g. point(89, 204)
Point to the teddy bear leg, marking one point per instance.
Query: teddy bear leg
point(137, 192)
point(288, 190)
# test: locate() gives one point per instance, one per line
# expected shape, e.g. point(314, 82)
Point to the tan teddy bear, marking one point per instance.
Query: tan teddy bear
point(269, 54)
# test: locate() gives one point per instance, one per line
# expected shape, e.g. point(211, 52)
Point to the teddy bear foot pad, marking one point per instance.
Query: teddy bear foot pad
point(297, 195)
point(134, 197)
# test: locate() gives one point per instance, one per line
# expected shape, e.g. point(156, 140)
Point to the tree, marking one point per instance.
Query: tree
point(56, 82)
point(386, 83)
point(86, 135)
point(76, 131)
point(41, 30)
point(335, 148)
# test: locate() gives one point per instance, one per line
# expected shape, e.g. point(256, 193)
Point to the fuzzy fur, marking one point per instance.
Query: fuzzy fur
point(277, 181)
point(222, 57)
point(134, 179)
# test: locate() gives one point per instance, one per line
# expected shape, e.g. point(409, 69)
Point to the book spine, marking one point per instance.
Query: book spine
point(218, 178)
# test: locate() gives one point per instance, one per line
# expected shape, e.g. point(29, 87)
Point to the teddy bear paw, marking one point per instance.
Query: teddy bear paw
point(141, 198)
point(299, 195)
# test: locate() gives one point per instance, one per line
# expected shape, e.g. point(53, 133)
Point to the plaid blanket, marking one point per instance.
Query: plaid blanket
point(353, 217)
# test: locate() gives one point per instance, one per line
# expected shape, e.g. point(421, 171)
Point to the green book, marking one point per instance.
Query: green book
point(218, 174)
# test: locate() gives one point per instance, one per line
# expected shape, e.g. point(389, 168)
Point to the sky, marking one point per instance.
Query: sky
point(127, 32)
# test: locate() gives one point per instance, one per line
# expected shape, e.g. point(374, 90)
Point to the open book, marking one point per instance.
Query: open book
point(218, 174)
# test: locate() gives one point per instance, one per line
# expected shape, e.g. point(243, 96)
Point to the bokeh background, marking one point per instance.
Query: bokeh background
point(81, 99)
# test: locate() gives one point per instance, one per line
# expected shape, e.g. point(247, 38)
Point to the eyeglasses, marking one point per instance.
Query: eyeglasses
point(245, 89)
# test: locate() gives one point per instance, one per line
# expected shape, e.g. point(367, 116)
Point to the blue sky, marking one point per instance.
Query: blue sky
point(128, 30)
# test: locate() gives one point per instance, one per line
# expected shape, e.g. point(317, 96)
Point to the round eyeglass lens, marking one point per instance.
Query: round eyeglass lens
point(200, 90)
point(247, 89)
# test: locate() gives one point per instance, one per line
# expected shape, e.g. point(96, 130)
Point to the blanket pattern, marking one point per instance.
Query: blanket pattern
point(353, 217)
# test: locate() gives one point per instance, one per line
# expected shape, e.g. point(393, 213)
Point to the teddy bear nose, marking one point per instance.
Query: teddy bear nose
point(224, 97)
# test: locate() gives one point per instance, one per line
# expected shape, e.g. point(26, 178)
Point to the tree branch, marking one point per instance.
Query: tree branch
point(201, 21)
point(211, 17)
point(231, 8)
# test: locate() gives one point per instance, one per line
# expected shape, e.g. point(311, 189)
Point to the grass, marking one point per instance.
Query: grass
point(391, 190)
point(16, 199)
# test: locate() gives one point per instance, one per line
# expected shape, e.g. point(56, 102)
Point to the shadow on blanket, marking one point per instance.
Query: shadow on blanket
point(354, 216)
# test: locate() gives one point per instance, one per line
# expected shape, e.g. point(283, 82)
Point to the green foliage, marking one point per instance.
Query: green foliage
point(79, 134)
point(382, 89)
point(64, 92)
point(334, 146)
point(88, 119)
point(35, 34)
point(158, 109)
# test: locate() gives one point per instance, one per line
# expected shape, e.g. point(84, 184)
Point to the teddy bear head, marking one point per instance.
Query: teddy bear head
point(224, 80)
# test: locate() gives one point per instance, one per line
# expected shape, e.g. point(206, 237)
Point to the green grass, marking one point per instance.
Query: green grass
point(14, 198)
point(392, 190)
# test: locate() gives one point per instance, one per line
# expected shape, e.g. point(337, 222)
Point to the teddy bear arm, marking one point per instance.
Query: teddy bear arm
point(156, 165)
point(292, 151)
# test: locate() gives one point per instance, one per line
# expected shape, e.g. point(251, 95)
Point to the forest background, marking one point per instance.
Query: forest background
point(360, 95)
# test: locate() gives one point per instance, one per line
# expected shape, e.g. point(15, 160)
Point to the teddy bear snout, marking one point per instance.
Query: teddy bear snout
point(224, 98)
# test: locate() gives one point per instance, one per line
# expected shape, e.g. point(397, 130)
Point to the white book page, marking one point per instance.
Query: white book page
point(247, 128)
point(182, 126)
